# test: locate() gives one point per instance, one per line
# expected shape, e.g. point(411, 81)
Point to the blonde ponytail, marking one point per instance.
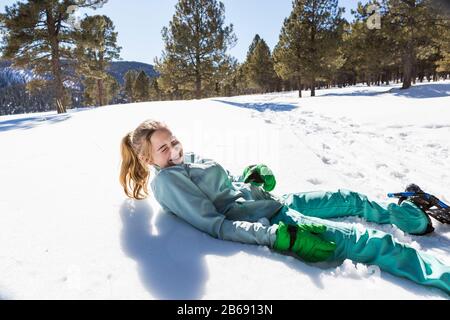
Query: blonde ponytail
point(134, 175)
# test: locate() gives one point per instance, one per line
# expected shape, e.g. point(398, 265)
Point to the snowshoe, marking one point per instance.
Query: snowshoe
point(430, 204)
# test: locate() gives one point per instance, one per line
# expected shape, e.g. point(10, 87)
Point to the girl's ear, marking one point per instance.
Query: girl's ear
point(144, 159)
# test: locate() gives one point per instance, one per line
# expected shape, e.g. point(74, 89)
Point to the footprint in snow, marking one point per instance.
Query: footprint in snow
point(356, 175)
point(314, 181)
point(327, 160)
point(436, 126)
point(397, 174)
point(381, 165)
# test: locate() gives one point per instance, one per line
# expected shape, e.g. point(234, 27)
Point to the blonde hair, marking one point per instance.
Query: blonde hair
point(134, 174)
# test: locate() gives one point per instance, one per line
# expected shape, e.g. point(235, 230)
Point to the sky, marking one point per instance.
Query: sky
point(139, 23)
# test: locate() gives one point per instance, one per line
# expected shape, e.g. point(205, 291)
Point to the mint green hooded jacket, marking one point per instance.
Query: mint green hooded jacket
point(204, 194)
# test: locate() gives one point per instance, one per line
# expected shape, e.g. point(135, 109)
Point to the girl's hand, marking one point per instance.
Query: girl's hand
point(305, 241)
point(259, 175)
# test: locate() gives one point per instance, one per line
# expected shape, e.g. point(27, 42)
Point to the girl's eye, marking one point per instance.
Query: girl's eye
point(175, 142)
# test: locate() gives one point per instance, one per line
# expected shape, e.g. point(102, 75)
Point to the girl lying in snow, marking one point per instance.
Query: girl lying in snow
point(242, 209)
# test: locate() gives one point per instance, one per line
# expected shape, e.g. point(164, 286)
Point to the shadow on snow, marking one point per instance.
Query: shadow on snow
point(33, 121)
point(261, 107)
point(171, 260)
point(424, 91)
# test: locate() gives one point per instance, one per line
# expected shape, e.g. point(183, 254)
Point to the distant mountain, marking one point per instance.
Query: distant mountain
point(118, 69)
point(10, 76)
point(15, 99)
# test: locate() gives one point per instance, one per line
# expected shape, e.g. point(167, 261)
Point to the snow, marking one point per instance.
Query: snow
point(68, 232)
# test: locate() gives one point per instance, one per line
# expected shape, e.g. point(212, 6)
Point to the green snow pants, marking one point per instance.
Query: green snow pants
point(367, 246)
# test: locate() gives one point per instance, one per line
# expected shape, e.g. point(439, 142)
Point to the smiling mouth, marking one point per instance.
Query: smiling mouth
point(175, 160)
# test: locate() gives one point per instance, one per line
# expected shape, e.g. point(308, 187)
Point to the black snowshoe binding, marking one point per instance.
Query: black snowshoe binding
point(428, 203)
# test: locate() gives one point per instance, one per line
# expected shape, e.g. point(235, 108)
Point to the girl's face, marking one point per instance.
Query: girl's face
point(167, 151)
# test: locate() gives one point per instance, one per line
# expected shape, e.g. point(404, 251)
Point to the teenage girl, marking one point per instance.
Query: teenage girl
point(228, 207)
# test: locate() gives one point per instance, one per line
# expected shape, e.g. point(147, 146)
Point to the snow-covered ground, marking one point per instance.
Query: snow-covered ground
point(68, 232)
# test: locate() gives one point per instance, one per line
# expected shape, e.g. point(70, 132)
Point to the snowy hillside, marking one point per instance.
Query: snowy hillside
point(10, 76)
point(68, 232)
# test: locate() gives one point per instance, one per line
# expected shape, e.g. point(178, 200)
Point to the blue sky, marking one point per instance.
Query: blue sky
point(139, 23)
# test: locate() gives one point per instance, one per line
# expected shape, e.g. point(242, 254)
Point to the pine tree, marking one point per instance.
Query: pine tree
point(443, 64)
point(437, 57)
point(221, 77)
point(196, 42)
point(39, 37)
point(370, 51)
point(288, 55)
point(251, 48)
point(110, 90)
point(236, 83)
point(130, 79)
point(309, 40)
point(171, 80)
point(96, 47)
point(260, 68)
point(155, 91)
point(142, 87)
point(243, 68)
point(411, 23)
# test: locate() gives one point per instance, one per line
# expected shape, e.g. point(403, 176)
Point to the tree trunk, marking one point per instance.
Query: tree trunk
point(101, 92)
point(407, 68)
point(313, 87)
point(409, 53)
point(198, 75)
point(100, 82)
point(198, 86)
point(299, 84)
point(59, 87)
point(55, 61)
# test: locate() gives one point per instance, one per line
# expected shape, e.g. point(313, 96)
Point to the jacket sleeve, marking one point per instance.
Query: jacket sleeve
point(177, 193)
